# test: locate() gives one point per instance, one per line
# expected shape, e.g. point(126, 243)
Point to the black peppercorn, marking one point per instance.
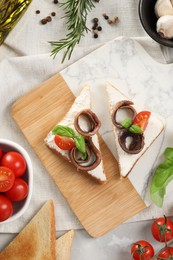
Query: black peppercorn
point(55, 1)
point(95, 35)
point(37, 11)
point(53, 13)
point(94, 27)
point(99, 28)
point(48, 18)
point(95, 20)
point(106, 16)
point(44, 21)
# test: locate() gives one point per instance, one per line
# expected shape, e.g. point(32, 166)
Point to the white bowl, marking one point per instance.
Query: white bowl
point(19, 207)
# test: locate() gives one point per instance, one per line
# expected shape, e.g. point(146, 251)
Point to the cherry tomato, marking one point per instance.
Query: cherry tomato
point(166, 253)
point(6, 208)
point(64, 143)
point(141, 119)
point(142, 250)
point(6, 179)
point(15, 162)
point(19, 190)
point(162, 229)
point(1, 153)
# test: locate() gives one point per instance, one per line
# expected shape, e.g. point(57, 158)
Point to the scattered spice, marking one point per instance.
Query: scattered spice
point(48, 18)
point(106, 16)
point(114, 20)
point(37, 11)
point(110, 21)
point(96, 27)
point(95, 20)
point(55, 1)
point(95, 35)
point(53, 13)
point(44, 21)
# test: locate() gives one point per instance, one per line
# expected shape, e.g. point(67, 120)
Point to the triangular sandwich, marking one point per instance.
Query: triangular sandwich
point(75, 137)
point(36, 240)
point(64, 245)
point(135, 129)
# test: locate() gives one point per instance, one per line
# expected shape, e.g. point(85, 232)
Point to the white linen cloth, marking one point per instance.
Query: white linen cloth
point(25, 62)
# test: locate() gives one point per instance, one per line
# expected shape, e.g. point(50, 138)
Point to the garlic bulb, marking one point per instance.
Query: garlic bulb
point(163, 7)
point(164, 26)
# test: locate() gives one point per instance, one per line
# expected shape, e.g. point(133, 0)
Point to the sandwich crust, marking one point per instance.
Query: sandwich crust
point(37, 240)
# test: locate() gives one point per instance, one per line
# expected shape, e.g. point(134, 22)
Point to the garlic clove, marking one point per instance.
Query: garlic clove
point(163, 7)
point(164, 26)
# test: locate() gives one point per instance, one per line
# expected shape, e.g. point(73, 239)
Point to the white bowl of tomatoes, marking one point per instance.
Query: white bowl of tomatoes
point(16, 180)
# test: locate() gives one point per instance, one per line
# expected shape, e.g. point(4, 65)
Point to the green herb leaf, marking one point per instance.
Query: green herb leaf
point(76, 13)
point(126, 123)
point(81, 145)
point(63, 131)
point(135, 129)
point(169, 153)
point(161, 177)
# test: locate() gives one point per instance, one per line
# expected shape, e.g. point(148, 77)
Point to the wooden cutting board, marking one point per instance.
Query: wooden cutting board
point(99, 208)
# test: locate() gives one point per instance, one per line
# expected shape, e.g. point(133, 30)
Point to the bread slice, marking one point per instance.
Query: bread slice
point(64, 245)
point(83, 101)
point(154, 129)
point(37, 240)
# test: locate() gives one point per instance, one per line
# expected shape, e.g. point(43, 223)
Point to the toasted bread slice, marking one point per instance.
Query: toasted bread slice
point(64, 245)
point(83, 101)
point(37, 240)
point(154, 129)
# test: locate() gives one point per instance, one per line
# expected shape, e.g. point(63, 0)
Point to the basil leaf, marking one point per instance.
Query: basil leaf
point(81, 145)
point(63, 131)
point(135, 129)
point(168, 153)
point(126, 123)
point(160, 179)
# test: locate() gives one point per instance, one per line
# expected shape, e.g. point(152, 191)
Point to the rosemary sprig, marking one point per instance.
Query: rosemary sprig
point(76, 12)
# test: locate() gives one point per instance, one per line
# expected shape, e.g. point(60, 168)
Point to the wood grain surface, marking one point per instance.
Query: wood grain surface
point(99, 208)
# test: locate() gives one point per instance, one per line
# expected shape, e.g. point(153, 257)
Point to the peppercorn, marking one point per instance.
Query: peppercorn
point(115, 20)
point(48, 18)
point(110, 21)
point(106, 16)
point(95, 35)
point(95, 20)
point(37, 11)
point(53, 13)
point(99, 28)
point(44, 21)
point(55, 1)
point(94, 27)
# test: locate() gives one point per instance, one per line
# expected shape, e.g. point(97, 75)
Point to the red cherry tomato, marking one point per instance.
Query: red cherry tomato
point(141, 119)
point(64, 143)
point(19, 190)
point(1, 153)
point(6, 208)
point(15, 162)
point(6, 179)
point(166, 253)
point(142, 250)
point(162, 229)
